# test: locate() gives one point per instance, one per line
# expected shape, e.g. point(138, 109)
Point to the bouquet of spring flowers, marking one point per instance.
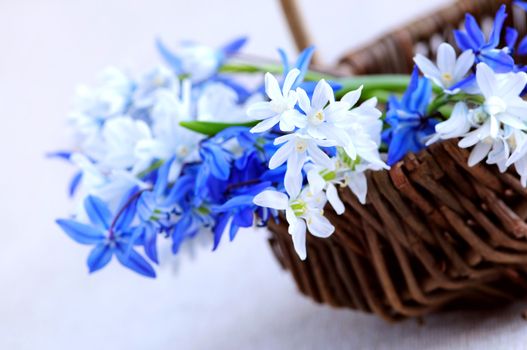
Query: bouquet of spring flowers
point(206, 143)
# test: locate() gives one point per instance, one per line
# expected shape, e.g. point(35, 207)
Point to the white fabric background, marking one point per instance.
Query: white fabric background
point(235, 298)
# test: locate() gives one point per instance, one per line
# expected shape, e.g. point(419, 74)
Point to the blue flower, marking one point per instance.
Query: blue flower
point(154, 209)
point(193, 206)
point(409, 124)
point(199, 62)
point(109, 237)
point(244, 184)
point(486, 51)
point(302, 64)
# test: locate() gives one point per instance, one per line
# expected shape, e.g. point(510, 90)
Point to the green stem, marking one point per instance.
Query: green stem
point(249, 68)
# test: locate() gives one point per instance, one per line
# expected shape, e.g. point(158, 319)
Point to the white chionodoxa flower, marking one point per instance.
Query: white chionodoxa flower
point(280, 108)
point(448, 69)
point(355, 131)
point(296, 149)
point(95, 105)
point(219, 102)
point(121, 136)
point(169, 138)
point(502, 112)
point(305, 211)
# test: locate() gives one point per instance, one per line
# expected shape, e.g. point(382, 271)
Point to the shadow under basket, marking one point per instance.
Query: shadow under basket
point(434, 234)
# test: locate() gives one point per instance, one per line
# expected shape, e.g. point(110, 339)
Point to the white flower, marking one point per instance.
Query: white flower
point(503, 103)
point(199, 61)
point(301, 211)
point(280, 108)
point(169, 138)
point(295, 150)
point(121, 137)
point(95, 105)
point(159, 79)
point(325, 180)
point(457, 125)
point(322, 112)
point(356, 130)
point(219, 103)
point(502, 113)
point(448, 70)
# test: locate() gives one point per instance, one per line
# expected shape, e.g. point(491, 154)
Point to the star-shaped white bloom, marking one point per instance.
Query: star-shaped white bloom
point(321, 111)
point(503, 103)
point(448, 69)
point(280, 108)
point(304, 211)
point(502, 112)
point(297, 148)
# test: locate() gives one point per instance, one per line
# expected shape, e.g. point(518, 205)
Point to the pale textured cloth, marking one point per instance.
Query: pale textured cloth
point(236, 298)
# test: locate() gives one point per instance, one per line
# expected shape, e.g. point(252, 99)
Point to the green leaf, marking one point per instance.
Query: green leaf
point(212, 128)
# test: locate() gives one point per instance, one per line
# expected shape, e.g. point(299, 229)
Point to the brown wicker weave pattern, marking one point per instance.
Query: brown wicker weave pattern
point(435, 233)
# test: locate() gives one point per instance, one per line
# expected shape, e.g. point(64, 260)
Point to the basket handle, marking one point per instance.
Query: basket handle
point(297, 27)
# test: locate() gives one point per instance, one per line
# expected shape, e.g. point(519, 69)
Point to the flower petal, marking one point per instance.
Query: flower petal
point(281, 155)
point(358, 184)
point(319, 226)
point(463, 65)
point(135, 262)
point(98, 212)
point(272, 199)
point(321, 96)
point(293, 178)
point(315, 180)
point(486, 80)
point(260, 110)
point(99, 257)
point(81, 233)
point(319, 157)
point(479, 152)
point(298, 231)
point(290, 80)
point(272, 88)
point(352, 97)
point(334, 199)
point(446, 58)
point(265, 124)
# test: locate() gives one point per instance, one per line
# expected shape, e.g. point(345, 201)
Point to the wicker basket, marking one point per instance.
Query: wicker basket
point(434, 233)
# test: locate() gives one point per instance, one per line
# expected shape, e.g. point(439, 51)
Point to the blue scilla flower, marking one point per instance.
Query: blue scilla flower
point(409, 124)
point(485, 50)
point(193, 205)
point(199, 62)
point(243, 185)
point(109, 237)
point(154, 211)
point(302, 64)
